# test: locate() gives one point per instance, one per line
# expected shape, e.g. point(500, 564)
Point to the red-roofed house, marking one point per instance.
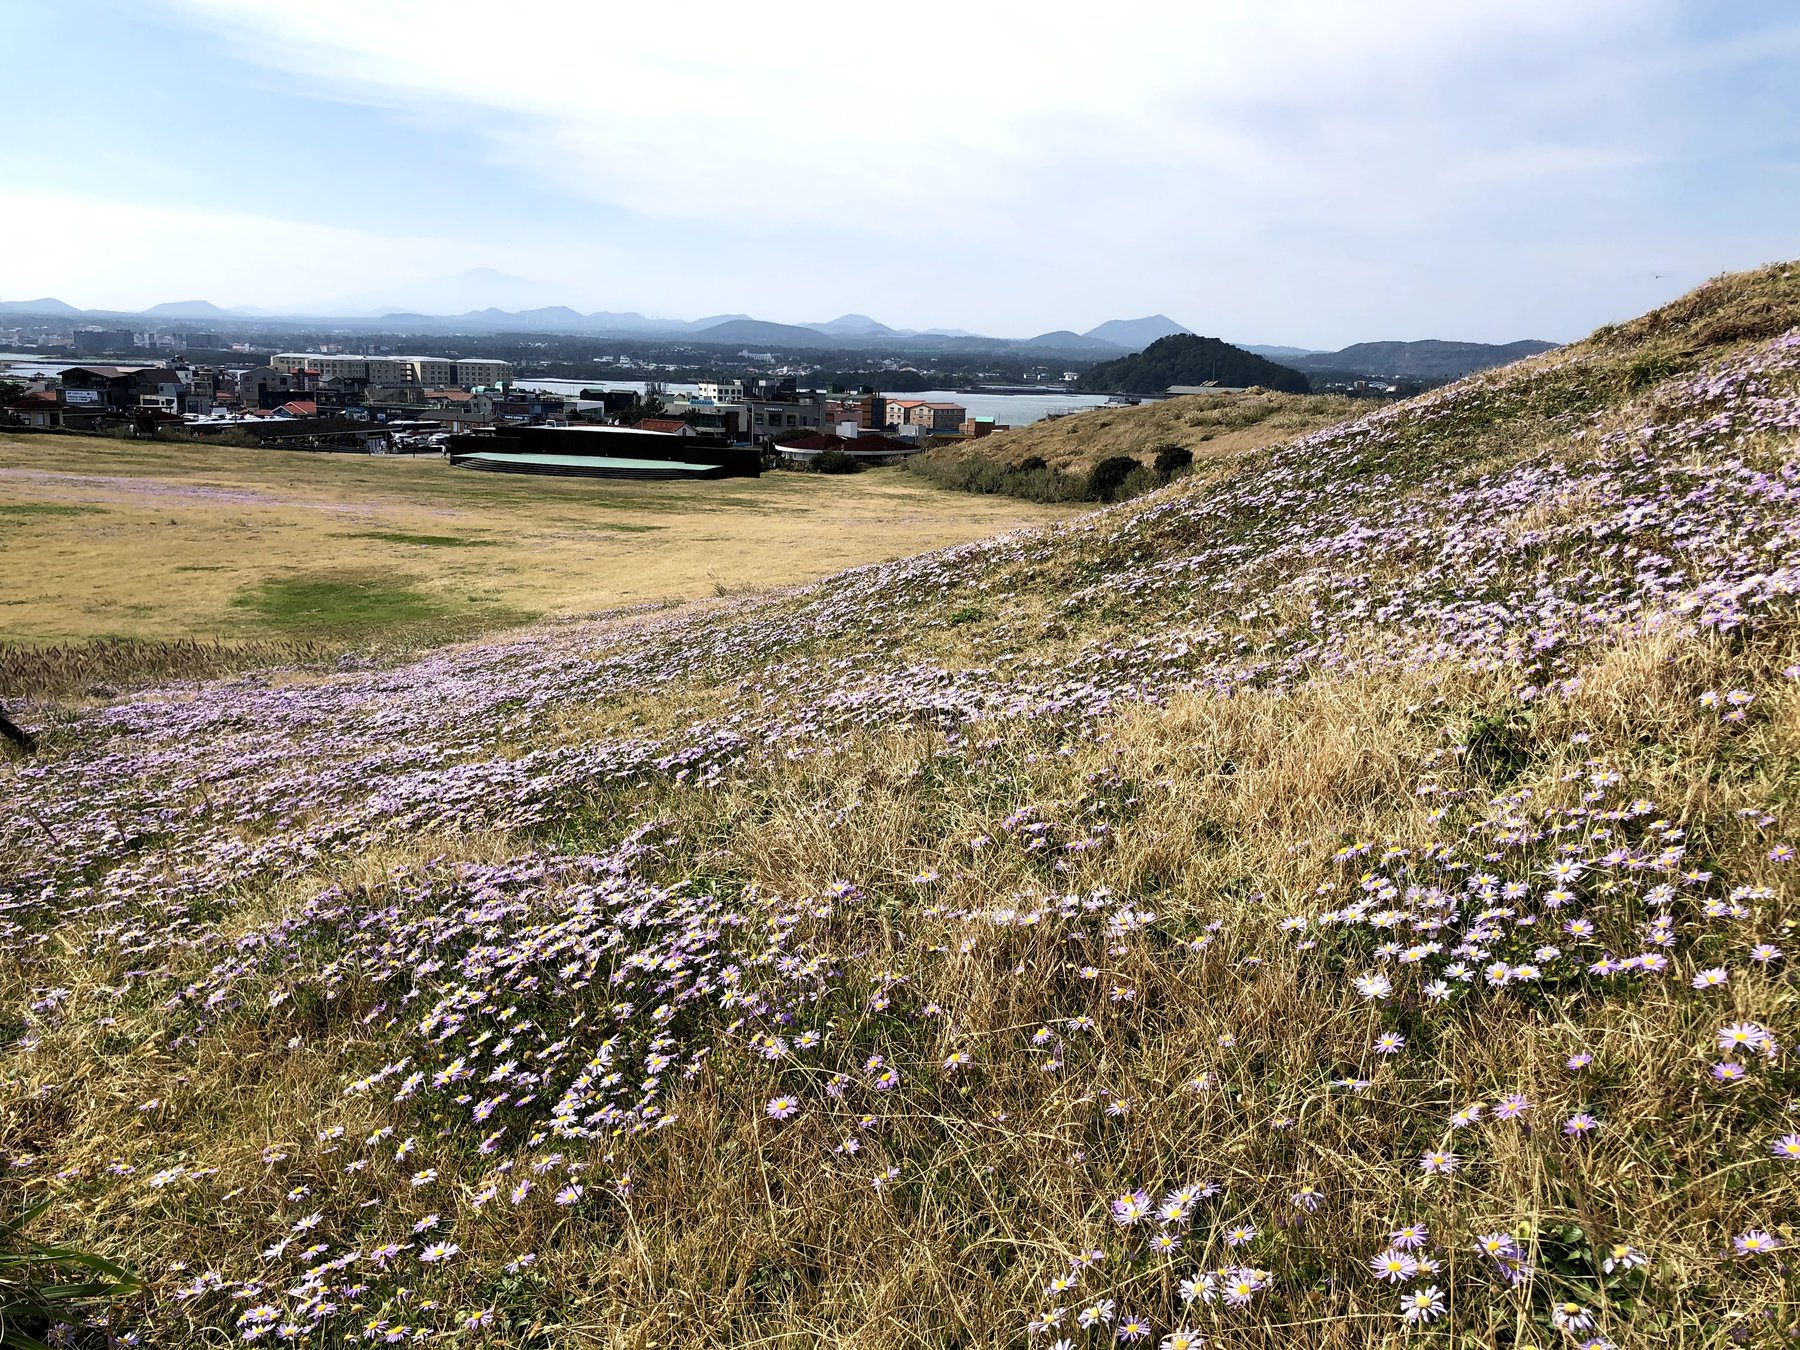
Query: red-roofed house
point(671, 426)
point(300, 407)
point(41, 408)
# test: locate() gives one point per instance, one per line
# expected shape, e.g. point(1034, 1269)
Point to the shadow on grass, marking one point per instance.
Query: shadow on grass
point(422, 540)
point(367, 606)
point(48, 509)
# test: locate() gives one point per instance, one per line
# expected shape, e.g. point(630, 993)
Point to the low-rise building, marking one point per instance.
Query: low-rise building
point(711, 417)
point(789, 412)
point(39, 408)
point(265, 387)
point(936, 418)
point(104, 387)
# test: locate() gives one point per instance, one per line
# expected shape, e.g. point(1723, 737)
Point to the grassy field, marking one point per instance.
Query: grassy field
point(1348, 898)
point(136, 545)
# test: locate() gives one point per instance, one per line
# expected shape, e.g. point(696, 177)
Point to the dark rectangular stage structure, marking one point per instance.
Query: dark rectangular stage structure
point(604, 452)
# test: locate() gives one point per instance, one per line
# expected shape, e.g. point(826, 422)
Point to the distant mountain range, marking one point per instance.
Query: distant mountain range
point(1112, 338)
point(1428, 360)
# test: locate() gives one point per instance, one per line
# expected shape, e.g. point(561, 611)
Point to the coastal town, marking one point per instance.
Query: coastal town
point(406, 403)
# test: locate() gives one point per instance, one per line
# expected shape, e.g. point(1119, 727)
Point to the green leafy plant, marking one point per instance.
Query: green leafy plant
point(36, 1288)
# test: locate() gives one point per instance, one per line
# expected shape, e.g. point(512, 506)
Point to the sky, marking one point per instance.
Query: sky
point(1306, 172)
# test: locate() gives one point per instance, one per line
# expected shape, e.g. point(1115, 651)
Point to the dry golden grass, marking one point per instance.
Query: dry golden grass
point(163, 542)
point(735, 1233)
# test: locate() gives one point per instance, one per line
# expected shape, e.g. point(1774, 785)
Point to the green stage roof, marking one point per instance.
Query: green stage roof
point(590, 461)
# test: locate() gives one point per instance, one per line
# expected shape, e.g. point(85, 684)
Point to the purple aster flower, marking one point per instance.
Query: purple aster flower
point(1622, 1256)
point(780, 1108)
point(1571, 1317)
point(1512, 1106)
point(1409, 1237)
point(1580, 1124)
point(1097, 1313)
point(1373, 985)
point(1423, 1305)
point(1243, 1284)
point(1130, 1207)
point(1743, 1036)
point(1393, 1266)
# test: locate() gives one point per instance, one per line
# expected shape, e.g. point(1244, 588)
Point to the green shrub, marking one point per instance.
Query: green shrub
point(836, 461)
point(1172, 459)
point(1033, 480)
point(1108, 476)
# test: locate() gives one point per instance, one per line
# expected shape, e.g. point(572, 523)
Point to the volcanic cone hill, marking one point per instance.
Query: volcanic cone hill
point(1346, 898)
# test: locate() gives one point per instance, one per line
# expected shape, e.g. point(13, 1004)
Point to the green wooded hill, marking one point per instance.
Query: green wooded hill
point(1183, 358)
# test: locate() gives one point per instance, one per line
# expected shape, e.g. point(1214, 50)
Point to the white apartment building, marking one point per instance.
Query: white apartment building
point(389, 370)
point(328, 367)
point(433, 372)
point(473, 371)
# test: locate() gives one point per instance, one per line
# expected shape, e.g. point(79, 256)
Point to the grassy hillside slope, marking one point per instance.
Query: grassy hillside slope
point(1213, 426)
point(1344, 901)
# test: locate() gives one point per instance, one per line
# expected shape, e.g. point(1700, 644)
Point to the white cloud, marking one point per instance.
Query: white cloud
point(130, 254)
point(1309, 171)
point(943, 117)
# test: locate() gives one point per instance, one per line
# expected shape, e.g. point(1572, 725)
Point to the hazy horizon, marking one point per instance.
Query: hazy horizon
point(1310, 175)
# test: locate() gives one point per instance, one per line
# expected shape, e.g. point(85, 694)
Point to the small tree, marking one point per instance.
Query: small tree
point(1172, 459)
point(836, 461)
point(649, 405)
point(1108, 476)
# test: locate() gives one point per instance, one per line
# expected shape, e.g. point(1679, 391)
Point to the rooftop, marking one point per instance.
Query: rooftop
point(588, 461)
